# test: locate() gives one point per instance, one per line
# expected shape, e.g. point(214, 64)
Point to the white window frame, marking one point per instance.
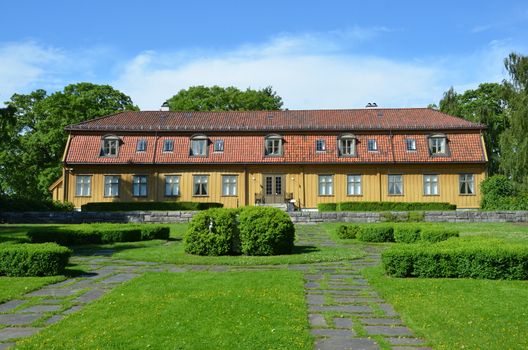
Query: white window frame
point(395, 184)
point(412, 143)
point(141, 145)
point(83, 185)
point(200, 185)
point(198, 147)
point(438, 145)
point(229, 185)
point(111, 185)
point(273, 145)
point(431, 184)
point(354, 185)
point(172, 185)
point(326, 185)
point(466, 184)
point(346, 146)
point(168, 145)
point(218, 146)
point(140, 185)
point(110, 146)
point(372, 145)
point(320, 145)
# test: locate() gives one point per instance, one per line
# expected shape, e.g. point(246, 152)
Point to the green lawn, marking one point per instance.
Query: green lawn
point(193, 310)
point(15, 287)
point(459, 313)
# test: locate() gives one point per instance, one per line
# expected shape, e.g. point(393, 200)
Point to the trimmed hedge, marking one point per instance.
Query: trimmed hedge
point(266, 231)
point(13, 204)
point(63, 236)
point(150, 232)
point(458, 258)
point(137, 206)
point(407, 233)
point(376, 233)
point(119, 234)
point(386, 206)
point(22, 260)
point(213, 232)
point(434, 235)
point(348, 231)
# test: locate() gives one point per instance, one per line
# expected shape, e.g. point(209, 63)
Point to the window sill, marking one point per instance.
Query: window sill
point(431, 195)
point(274, 155)
point(87, 196)
point(111, 196)
point(325, 195)
point(172, 196)
point(229, 196)
point(200, 195)
point(354, 195)
point(395, 195)
point(139, 196)
point(467, 195)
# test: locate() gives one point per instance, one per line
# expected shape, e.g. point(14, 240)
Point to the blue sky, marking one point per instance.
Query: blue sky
point(316, 54)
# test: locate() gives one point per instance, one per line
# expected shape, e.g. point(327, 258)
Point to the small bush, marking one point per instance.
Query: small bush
point(21, 260)
point(376, 233)
point(119, 234)
point(63, 236)
point(348, 231)
point(407, 233)
point(149, 232)
point(327, 206)
point(416, 216)
point(434, 235)
point(137, 206)
point(213, 232)
point(460, 258)
point(266, 231)
point(394, 206)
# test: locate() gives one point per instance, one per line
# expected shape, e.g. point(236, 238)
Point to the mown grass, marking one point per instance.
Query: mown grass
point(193, 310)
point(459, 313)
point(15, 287)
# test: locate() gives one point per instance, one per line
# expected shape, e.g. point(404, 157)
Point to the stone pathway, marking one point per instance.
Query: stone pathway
point(344, 311)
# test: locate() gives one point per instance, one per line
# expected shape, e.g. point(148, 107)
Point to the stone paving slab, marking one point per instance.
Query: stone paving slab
point(6, 345)
point(381, 321)
point(17, 332)
point(54, 319)
point(353, 300)
point(346, 344)
point(119, 278)
point(10, 305)
point(317, 320)
point(91, 295)
point(315, 299)
point(342, 308)
point(343, 333)
point(40, 309)
point(18, 319)
point(388, 330)
point(63, 292)
point(73, 309)
point(340, 322)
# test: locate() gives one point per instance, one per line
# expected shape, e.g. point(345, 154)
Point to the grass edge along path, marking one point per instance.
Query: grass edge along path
point(459, 313)
point(16, 287)
point(190, 310)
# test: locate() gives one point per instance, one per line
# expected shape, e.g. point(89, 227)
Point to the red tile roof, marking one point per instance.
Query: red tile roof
point(298, 148)
point(279, 121)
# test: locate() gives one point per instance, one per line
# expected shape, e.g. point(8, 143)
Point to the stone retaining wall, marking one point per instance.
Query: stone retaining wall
point(297, 217)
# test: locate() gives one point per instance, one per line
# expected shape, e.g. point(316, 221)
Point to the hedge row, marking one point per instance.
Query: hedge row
point(461, 258)
point(96, 234)
point(249, 231)
point(135, 206)
point(21, 260)
point(385, 206)
point(395, 233)
point(23, 204)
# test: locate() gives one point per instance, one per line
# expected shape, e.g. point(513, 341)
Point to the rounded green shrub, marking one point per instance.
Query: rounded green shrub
point(348, 231)
point(266, 231)
point(407, 233)
point(21, 260)
point(213, 232)
point(376, 233)
point(434, 235)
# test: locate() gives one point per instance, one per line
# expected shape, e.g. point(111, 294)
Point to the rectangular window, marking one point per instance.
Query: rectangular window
point(83, 184)
point(168, 146)
point(411, 144)
point(229, 185)
point(347, 147)
point(172, 185)
point(111, 186)
point(198, 147)
point(110, 147)
point(396, 185)
point(437, 145)
point(430, 185)
point(139, 185)
point(273, 147)
point(326, 185)
point(200, 185)
point(141, 145)
point(354, 185)
point(320, 145)
point(467, 184)
point(219, 146)
point(372, 145)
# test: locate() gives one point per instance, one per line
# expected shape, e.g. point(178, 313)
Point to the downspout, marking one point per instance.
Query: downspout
point(303, 190)
point(65, 171)
point(156, 172)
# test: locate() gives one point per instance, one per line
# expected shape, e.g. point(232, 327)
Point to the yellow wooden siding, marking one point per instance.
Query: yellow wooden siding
point(301, 181)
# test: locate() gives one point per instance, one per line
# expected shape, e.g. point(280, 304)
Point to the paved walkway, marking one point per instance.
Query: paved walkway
point(344, 311)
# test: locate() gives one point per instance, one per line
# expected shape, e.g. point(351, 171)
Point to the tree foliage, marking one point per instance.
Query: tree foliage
point(35, 139)
point(486, 105)
point(216, 98)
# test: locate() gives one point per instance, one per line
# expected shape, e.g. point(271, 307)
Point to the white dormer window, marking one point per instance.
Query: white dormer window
point(273, 145)
point(411, 144)
point(438, 144)
point(199, 146)
point(372, 145)
point(346, 145)
point(109, 146)
point(168, 145)
point(141, 145)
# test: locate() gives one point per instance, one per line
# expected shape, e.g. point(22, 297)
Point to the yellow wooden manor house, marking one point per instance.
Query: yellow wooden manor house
point(303, 157)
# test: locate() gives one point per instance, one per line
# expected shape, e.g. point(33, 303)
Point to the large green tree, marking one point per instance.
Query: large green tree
point(30, 158)
point(486, 105)
point(216, 98)
point(514, 141)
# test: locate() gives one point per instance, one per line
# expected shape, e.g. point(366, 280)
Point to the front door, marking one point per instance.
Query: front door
point(273, 188)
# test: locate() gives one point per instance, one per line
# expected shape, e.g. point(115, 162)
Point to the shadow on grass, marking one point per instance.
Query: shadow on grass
point(304, 249)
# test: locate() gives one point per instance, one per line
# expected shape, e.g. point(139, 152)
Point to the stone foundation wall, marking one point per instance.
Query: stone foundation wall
point(297, 217)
